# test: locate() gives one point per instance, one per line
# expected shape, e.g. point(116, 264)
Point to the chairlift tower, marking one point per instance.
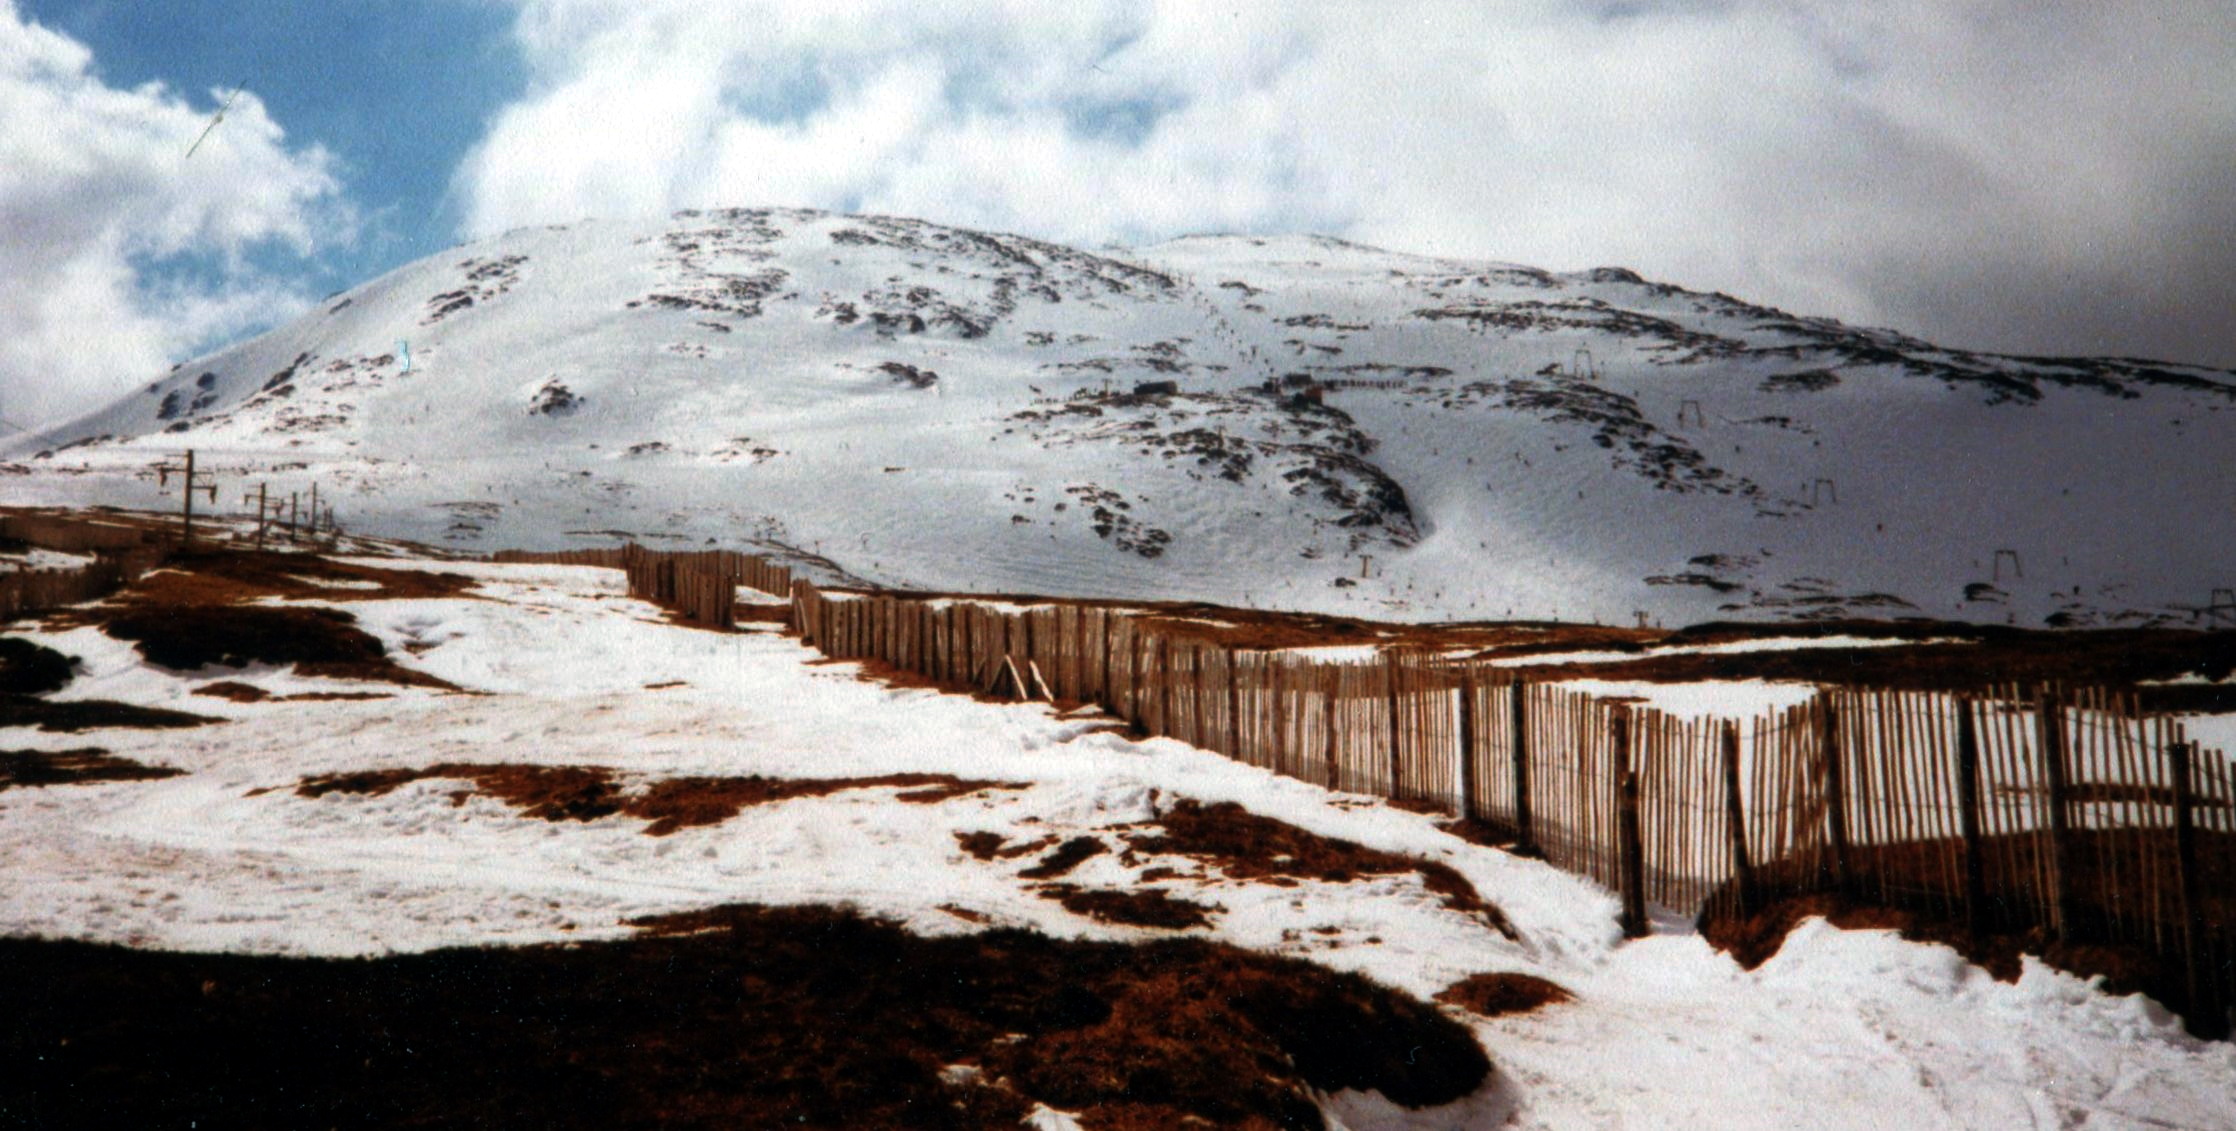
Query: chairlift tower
point(188, 475)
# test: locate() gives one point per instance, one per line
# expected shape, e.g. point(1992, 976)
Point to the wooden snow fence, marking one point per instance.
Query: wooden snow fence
point(2070, 813)
point(608, 558)
point(71, 534)
point(699, 585)
point(121, 554)
point(2011, 809)
point(37, 590)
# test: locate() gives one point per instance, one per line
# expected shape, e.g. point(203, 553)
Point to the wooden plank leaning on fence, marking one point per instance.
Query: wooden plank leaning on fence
point(1630, 849)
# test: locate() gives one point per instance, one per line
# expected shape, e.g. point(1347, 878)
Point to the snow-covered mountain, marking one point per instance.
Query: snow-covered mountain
point(1297, 422)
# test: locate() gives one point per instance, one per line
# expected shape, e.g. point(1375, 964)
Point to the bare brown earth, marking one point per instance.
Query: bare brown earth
point(26, 768)
point(587, 793)
point(91, 714)
point(27, 668)
point(1244, 845)
point(197, 611)
point(994, 846)
point(1067, 856)
point(238, 692)
point(743, 1016)
point(1133, 907)
point(1496, 995)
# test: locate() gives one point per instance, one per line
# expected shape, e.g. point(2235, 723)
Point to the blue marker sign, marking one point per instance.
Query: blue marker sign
point(404, 348)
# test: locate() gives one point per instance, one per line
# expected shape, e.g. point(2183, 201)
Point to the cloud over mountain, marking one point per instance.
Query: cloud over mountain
point(2001, 177)
point(117, 252)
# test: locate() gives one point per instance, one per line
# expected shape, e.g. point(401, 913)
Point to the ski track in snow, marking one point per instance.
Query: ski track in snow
point(1840, 1029)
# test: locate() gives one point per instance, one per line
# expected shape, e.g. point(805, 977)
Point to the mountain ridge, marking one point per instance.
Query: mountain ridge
point(1292, 421)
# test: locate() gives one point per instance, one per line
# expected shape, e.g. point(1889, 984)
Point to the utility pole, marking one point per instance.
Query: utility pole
point(294, 515)
point(163, 473)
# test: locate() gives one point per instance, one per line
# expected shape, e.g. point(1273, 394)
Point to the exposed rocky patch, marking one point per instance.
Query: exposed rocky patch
point(1636, 443)
point(1657, 334)
point(737, 295)
point(553, 398)
point(1107, 516)
point(1804, 381)
point(485, 279)
point(909, 375)
point(1313, 450)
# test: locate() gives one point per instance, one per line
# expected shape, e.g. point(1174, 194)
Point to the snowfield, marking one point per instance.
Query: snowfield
point(558, 668)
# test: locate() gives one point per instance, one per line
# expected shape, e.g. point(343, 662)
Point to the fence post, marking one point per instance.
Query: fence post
point(1327, 677)
point(1164, 687)
point(1275, 715)
point(1397, 762)
point(1133, 674)
point(2207, 1018)
point(1234, 705)
point(1735, 821)
point(1467, 746)
point(2049, 717)
point(1968, 816)
point(1630, 858)
point(1525, 831)
point(1836, 793)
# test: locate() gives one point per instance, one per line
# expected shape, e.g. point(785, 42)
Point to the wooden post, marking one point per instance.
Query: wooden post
point(1836, 792)
point(1735, 821)
point(1133, 672)
point(1467, 746)
point(1630, 850)
point(1968, 816)
point(2049, 717)
point(1397, 762)
point(2207, 1017)
point(1234, 705)
point(1200, 717)
point(1102, 666)
point(1328, 686)
point(1275, 714)
point(1164, 687)
point(1525, 830)
point(186, 524)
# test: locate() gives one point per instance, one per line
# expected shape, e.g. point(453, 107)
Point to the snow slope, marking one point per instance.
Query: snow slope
point(931, 406)
point(1840, 1030)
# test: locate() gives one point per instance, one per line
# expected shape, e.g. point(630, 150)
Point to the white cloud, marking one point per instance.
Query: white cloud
point(1995, 173)
point(117, 252)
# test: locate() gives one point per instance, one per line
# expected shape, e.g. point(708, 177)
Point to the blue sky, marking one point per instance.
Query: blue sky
point(2002, 174)
point(397, 90)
